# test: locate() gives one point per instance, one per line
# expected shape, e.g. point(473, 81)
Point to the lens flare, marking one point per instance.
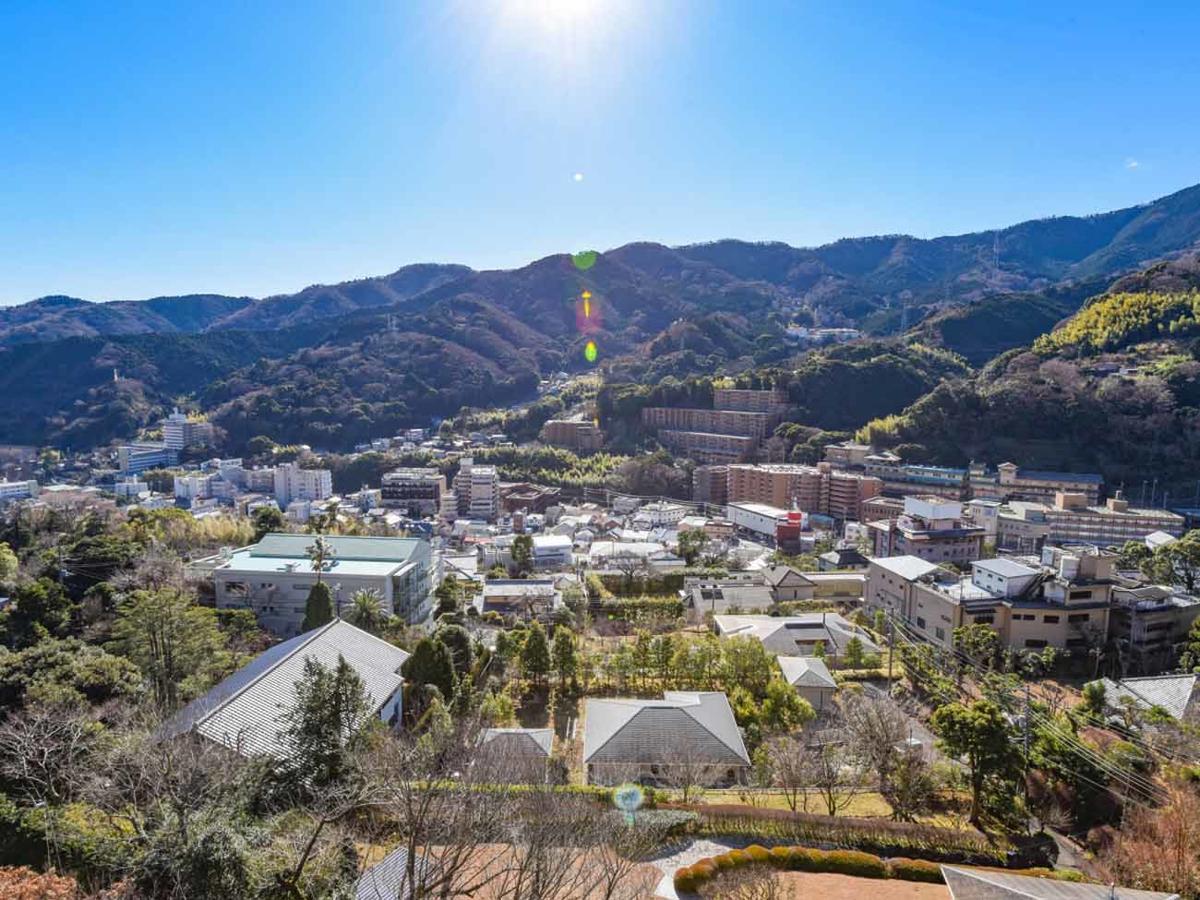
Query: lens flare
point(590, 351)
point(585, 259)
point(587, 304)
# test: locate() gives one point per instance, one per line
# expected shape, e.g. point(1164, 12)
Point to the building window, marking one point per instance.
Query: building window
point(1035, 643)
point(1077, 618)
point(1081, 595)
point(941, 633)
point(1050, 620)
point(920, 622)
point(984, 620)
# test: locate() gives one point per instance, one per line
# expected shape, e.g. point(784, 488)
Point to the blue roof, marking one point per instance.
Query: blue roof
point(1085, 477)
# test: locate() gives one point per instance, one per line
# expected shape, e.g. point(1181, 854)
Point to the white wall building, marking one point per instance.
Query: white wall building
point(179, 431)
point(17, 490)
point(294, 483)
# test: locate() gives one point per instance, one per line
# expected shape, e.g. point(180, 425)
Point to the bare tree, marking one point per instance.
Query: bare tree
point(689, 768)
point(837, 775)
point(754, 883)
point(790, 770)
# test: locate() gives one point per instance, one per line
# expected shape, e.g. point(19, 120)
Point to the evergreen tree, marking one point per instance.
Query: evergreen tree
point(522, 554)
point(535, 653)
point(326, 723)
point(39, 610)
point(854, 654)
point(318, 610)
point(267, 519)
point(566, 663)
point(431, 665)
point(458, 642)
point(366, 611)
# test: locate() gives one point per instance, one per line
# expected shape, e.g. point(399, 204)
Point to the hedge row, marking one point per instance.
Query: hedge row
point(841, 862)
point(879, 836)
point(670, 607)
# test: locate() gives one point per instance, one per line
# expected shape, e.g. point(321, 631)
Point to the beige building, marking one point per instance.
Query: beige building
point(1011, 482)
point(715, 421)
point(848, 455)
point(930, 528)
point(574, 434)
point(1061, 601)
point(710, 448)
point(710, 484)
point(1070, 520)
point(750, 400)
point(816, 489)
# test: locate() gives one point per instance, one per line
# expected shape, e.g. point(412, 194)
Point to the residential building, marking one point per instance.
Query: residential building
point(714, 421)
point(720, 596)
point(249, 711)
point(526, 497)
point(660, 514)
point(274, 576)
point(513, 755)
point(1174, 694)
point(1060, 601)
point(706, 447)
point(710, 484)
point(130, 488)
point(769, 401)
point(686, 734)
point(133, 459)
point(523, 597)
point(478, 490)
point(985, 514)
point(848, 455)
point(416, 491)
point(11, 491)
point(811, 679)
point(787, 585)
point(293, 483)
point(574, 434)
point(1149, 622)
point(760, 520)
point(879, 508)
point(899, 478)
point(1021, 527)
point(931, 527)
point(816, 489)
point(553, 551)
point(844, 556)
point(180, 431)
point(1011, 482)
point(797, 635)
point(1071, 520)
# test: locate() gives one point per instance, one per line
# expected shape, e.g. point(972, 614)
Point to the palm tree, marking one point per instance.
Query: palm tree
point(366, 610)
point(320, 552)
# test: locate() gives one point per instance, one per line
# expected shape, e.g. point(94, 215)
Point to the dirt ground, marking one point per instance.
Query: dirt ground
point(844, 887)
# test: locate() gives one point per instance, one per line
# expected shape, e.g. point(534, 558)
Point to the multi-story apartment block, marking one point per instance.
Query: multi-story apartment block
point(417, 491)
point(710, 484)
point(1061, 601)
point(1011, 482)
point(574, 434)
point(848, 455)
point(477, 489)
point(704, 447)
point(274, 576)
point(292, 483)
point(930, 528)
point(771, 401)
point(524, 496)
point(1148, 623)
point(180, 432)
point(814, 489)
point(713, 421)
point(11, 491)
point(1070, 520)
point(900, 478)
point(880, 508)
point(133, 459)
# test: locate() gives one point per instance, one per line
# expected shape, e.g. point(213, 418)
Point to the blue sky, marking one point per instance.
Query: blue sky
point(164, 148)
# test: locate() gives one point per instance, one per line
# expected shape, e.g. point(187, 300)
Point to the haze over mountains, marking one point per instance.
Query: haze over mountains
point(335, 364)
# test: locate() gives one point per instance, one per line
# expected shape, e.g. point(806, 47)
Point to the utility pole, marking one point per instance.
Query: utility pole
point(891, 647)
point(1025, 735)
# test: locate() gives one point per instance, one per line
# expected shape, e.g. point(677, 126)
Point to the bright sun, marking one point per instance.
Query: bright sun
point(553, 17)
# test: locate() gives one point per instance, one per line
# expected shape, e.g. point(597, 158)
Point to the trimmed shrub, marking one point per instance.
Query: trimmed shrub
point(724, 862)
point(686, 879)
point(802, 859)
point(779, 857)
point(704, 869)
point(740, 858)
point(758, 853)
point(854, 862)
point(915, 870)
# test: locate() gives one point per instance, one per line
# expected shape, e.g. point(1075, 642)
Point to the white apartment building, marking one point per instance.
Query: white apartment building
point(179, 431)
point(17, 490)
point(477, 489)
point(294, 483)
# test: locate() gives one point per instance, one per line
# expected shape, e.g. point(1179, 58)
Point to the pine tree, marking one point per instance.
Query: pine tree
point(535, 653)
point(318, 610)
point(566, 663)
point(326, 722)
point(431, 664)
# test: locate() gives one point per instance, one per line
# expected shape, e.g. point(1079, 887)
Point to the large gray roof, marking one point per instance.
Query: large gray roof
point(786, 635)
point(388, 879)
point(806, 671)
point(1172, 692)
point(986, 884)
point(910, 568)
point(246, 711)
point(363, 549)
point(650, 731)
point(519, 741)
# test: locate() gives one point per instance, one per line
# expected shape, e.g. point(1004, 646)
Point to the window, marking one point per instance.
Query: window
point(920, 622)
point(1035, 643)
point(1076, 643)
point(1077, 618)
point(1050, 620)
point(1081, 595)
point(1026, 617)
point(984, 620)
point(941, 633)
point(299, 587)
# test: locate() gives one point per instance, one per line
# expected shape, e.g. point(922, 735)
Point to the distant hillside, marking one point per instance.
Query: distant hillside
point(1114, 389)
point(341, 362)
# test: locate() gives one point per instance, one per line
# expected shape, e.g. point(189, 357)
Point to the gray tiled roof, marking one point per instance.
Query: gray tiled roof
point(519, 741)
point(388, 879)
point(373, 549)
point(786, 635)
point(1172, 692)
point(646, 731)
point(985, 884)
point(246, 711)
point(910, 568)
point(806, 671)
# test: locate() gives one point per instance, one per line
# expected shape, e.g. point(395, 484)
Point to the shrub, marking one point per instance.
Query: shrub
point(758, 853)
point(915, 870)
point(854, 862)
point(740, 858)
point(686, 879)
point(801, 859)
point(780, 857)
point(724, 862)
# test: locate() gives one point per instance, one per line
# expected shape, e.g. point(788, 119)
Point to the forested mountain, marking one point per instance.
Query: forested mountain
point(343, 362)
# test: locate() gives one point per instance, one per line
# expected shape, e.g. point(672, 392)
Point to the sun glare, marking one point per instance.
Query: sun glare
point(554, 18)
